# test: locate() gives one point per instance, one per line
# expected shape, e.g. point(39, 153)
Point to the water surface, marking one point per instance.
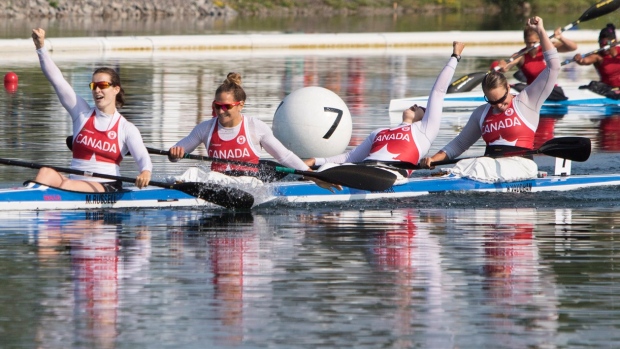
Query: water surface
point(441, 271)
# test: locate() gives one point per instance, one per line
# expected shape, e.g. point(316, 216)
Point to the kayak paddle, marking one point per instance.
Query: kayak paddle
point(597, 10)
point(352, 176)
point(223, 196)
point(604, 48)
point(570, 148)
point(466, 83)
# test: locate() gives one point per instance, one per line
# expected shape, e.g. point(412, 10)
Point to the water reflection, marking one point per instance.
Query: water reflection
point(422, 285)
point(234, 248)
point(99, 262)
point(513, 278)
point(323, 278)
point(609, 133)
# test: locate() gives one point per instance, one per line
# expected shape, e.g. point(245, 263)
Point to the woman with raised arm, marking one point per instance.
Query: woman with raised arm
point(101, 135)
point(410, 140)
point(506, 123)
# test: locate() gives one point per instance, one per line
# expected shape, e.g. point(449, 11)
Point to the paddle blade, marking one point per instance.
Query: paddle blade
point(600, 9)
point(570, 148)
point(358, 177)
point(466, 83)
point(228, 197)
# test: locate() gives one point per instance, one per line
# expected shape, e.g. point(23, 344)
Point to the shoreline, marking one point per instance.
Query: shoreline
point(478, 42)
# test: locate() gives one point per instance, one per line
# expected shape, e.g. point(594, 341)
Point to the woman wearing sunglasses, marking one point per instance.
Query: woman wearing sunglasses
point(506, 123)
point(101, 134)
point(232, 135)
point(411, 139)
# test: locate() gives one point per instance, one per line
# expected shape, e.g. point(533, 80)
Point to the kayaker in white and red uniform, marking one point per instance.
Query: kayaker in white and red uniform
point(507, 123)
point(410, 140)
point(606, 63)
point(101, 135)
point(533, 63)
point(232, 135)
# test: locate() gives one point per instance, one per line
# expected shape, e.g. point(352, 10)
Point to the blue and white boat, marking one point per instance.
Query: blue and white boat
point(34, 196)
point(305, 192)
point(578, 100)
point(39, 197)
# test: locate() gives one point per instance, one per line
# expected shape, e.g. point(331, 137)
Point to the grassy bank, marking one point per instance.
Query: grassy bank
point(382, 7)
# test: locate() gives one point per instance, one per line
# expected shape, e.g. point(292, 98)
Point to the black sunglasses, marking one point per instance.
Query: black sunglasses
point(501, 100)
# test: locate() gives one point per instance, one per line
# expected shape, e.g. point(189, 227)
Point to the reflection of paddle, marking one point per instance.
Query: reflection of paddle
point(570, 148)
point(358, 177)
point(219, 195)
point(599, 9)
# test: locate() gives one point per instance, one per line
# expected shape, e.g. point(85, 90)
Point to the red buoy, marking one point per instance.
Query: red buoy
point(10, 82)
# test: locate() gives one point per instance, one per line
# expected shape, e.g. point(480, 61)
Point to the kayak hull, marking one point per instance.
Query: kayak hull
point(34, 196)
point(304, 192)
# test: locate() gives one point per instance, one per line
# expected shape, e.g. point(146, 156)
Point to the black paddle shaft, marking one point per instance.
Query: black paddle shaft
point(352, 176)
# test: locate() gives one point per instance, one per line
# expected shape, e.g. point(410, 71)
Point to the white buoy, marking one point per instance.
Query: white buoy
point(313, 122)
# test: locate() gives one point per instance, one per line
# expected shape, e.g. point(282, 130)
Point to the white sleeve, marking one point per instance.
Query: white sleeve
point(530, 100)
point(135, 145)
point(199, 135)
point(431, 122)
point(274, 147)
point(468, 136)
point(73, 103)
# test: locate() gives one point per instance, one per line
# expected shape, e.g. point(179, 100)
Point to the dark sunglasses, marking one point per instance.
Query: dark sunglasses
point(225, 106)
point(101, 84)
point(501, 100)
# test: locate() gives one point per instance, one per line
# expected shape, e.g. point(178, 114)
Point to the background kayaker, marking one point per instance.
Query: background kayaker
point(506, 123)
point(232, 135)
point(606, 63)
point(531, 64)
point(410, 140)
point(101, 135)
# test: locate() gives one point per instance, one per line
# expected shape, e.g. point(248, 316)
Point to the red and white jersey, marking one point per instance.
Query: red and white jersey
point(507, 128)
point(533, 66)
point(396, 143)
point(239, 148)
point(609, 70)
point(100, 148)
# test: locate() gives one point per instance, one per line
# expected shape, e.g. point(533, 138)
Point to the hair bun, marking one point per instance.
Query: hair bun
point(609, 32)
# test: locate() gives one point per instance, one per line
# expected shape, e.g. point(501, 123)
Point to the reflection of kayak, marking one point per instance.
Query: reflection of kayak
point(302, 192)
point(577, 98)
point(39, 197)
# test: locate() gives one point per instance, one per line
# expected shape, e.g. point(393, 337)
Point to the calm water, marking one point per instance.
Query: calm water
point(445, 271)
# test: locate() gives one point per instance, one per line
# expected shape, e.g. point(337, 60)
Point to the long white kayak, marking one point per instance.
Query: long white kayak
point(34, 196)
point(466, 101)
point(305, 192)
point(38, 197)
